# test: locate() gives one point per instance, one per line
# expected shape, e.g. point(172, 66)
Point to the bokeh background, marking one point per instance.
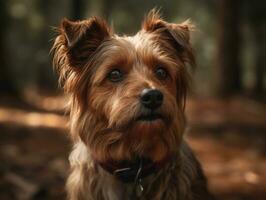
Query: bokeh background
point(226, 108)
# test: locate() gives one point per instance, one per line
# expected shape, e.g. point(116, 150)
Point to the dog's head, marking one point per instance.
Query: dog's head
point(127, 93)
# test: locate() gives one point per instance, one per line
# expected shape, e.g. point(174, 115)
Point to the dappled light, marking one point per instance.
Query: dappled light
point(32, 119)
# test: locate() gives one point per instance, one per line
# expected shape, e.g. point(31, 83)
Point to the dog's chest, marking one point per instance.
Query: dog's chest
point(116, 190)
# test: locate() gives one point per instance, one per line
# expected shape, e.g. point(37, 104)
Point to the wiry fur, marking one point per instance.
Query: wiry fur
point(103, 114)
point(178, 180)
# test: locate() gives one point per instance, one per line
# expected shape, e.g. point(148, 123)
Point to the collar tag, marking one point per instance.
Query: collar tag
point(139, 188)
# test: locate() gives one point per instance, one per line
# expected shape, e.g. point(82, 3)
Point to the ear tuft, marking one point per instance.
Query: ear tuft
point(72, 31)
point(182, 30)
point(153, 21)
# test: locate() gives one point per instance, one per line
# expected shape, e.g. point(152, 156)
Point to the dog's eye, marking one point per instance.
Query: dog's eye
point(115, 75)
point(161, 73)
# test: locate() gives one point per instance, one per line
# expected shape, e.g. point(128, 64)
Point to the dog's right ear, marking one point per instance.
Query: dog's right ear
point(77, 41)
point(175, 35)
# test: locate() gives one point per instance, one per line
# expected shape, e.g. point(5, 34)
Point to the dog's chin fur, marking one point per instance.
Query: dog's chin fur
point(130, 136)
point(155, 139)
point(107, 120)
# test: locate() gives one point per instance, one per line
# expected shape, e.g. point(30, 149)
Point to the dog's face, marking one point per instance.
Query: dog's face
point(127, 93)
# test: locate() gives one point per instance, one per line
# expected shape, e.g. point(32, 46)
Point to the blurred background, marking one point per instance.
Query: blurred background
point(226, 108)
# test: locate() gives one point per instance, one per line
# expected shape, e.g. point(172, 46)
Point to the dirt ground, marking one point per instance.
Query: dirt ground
point(228, 137)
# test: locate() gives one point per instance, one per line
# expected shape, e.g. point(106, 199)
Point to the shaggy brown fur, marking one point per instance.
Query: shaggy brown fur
point(106, 114)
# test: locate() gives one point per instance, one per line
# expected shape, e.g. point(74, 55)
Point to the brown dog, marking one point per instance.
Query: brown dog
point(127, 97)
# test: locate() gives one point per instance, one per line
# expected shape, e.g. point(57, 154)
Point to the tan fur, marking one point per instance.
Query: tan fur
point(103, 114)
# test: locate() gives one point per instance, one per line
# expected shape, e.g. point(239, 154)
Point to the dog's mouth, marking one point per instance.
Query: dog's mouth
point(150, 117)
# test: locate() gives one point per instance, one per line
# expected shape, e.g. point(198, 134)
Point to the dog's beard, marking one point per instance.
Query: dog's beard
point(134, 133)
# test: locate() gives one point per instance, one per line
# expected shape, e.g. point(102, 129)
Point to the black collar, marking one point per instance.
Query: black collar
point(128, 171)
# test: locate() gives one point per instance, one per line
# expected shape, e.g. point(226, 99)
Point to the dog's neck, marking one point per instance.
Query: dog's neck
point(134, 170)
point(130, 179)
point(91, 177)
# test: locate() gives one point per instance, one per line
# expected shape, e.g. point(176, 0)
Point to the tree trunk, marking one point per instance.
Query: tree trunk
point(77, 9)
point(258, 25)
point(7, 86)
point(260, 44)
point(229, 70)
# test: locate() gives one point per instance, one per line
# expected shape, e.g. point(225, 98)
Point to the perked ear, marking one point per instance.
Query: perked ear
point(77, 41)
point(177, 35)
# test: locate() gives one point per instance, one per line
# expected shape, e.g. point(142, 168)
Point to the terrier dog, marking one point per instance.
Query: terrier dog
point(127, 99)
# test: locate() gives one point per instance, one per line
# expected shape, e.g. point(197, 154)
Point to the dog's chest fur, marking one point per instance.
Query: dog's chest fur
point(181, 179)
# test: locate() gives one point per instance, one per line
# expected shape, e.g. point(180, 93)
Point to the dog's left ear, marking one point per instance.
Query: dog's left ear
point(76, 43)
point(82, 38)
point(175, 35)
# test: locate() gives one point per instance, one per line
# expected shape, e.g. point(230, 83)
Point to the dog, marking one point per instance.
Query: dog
point(126, 101)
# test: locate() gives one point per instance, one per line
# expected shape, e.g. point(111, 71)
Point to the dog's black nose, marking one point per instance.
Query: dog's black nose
point(151, 98)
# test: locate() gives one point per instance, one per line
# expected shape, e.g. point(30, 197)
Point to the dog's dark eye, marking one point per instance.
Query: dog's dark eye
point(115, 75)
point(161, 73)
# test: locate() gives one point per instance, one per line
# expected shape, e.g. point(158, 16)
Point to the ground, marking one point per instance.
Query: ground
point(228, 137)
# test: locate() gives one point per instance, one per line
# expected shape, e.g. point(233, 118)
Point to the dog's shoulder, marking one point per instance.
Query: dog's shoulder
point(192, 169)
